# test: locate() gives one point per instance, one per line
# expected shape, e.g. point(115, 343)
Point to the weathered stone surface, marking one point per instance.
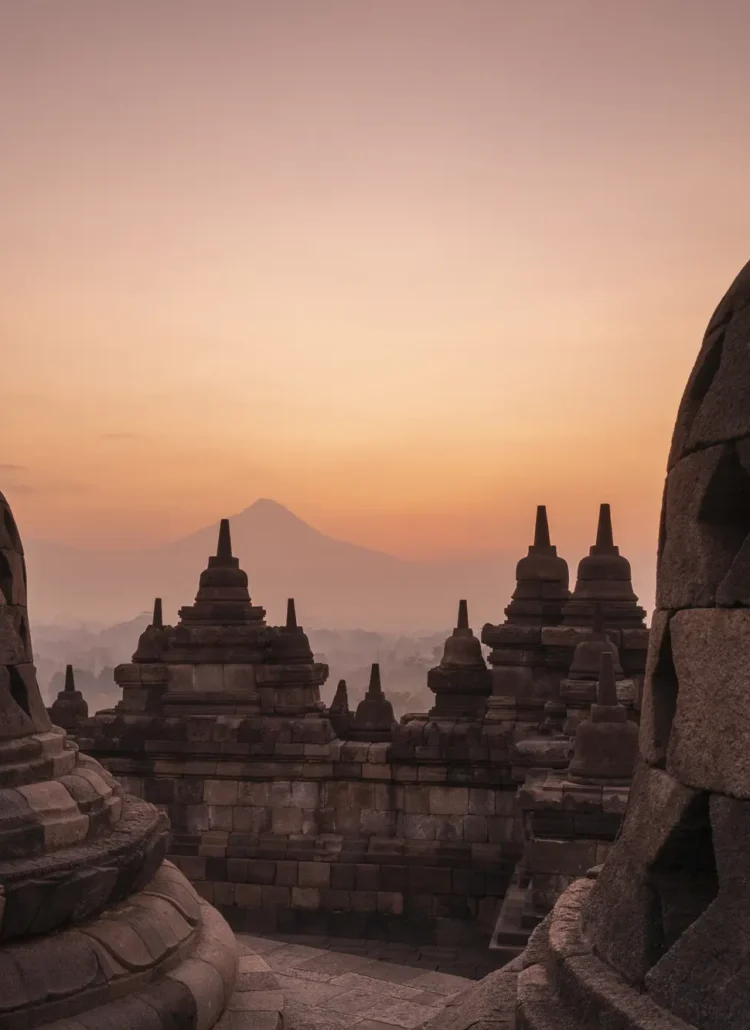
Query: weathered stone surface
point(711, 651)
point(706, 522)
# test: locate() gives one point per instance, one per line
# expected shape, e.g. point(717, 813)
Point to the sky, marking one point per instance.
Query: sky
point(408, 267)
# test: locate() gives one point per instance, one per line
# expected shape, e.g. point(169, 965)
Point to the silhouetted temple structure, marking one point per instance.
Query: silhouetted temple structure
point(69, 709)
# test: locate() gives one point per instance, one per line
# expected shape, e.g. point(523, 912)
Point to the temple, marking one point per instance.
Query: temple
point(577, 800)
point(290, 816)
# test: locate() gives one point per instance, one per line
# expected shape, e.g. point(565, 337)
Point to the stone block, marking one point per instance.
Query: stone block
point(306, 898)
point(367, 877)
point(287, 873)
point(336, 900)
point(475, 829)
point(343, 876)
point(219, 817)
point(305, 794)
point(711, 652)
point(273, 897)
point(364, 901)
point(220, 792)
point(286, 820)
point(481, 801)
point(417, 827)
point(260, 871)
point(314, 874)
point(255, 794)
point(430, 879)
point(449, 800)
point(251, 820)
point(390, 902)
point(377, 824)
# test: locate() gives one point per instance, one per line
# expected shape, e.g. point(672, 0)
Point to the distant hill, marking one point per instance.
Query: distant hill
point(337, 585)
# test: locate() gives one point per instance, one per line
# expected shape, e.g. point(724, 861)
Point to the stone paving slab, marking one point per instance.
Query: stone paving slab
point(319, 988)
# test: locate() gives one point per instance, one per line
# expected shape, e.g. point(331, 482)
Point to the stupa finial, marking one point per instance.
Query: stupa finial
point(291, 614)
point(224, 546)
point(374, 690)
point(463, 615)
point(70, 681)
point(541, 528)
point(157, 619)
point(604, 537)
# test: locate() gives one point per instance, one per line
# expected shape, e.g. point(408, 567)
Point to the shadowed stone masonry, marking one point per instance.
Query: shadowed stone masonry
point(96, 930)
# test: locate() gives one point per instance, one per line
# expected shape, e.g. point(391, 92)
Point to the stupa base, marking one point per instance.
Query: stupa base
point(161, 959)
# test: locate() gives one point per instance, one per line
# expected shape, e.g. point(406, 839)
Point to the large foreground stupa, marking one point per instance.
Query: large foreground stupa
point(96, 930)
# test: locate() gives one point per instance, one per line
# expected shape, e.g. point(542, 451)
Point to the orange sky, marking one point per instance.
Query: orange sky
point(409, 267)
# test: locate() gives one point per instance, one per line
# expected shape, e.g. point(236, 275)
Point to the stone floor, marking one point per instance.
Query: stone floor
point(304, 983)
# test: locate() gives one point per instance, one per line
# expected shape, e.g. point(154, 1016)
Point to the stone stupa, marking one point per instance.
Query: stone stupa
point(96, 930)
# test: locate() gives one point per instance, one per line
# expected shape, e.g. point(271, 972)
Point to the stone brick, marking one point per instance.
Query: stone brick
point(314, 874)
point(305, 794)
point(418, 827)
point(481, 801)
point(367, 877)
point(287, 873)
point(247, 895)
point(306, 897)
point(343, 876)
point(260, 871)
point(430, 879)
point(364, 901)
point(220, 792)
point(286, 820)
point(219, 817)
point(391, 902)
point(417, 800)
point(711, 652)
point(475, 829)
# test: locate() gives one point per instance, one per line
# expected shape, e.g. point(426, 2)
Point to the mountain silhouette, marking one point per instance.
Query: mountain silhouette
point(336, 584)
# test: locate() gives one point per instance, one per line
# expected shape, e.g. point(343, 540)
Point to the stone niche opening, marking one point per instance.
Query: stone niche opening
point(18, 690)
point(6, 580)
point(684, 873)
point(725, 508)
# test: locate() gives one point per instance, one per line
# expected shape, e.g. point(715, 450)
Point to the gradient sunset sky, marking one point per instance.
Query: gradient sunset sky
point(409, 267)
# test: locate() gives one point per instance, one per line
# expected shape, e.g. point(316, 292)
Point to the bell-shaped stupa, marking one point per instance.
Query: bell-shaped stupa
point(96, 930)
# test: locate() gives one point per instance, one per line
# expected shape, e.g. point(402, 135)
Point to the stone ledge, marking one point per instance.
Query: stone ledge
point(75, 883)
point(192, 995)
point(258, 1001)
point(564, 985)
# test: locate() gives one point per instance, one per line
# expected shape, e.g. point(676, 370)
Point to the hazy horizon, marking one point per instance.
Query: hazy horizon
point(410, 269)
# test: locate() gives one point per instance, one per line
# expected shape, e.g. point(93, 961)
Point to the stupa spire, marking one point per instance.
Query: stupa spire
point(374, 689)
point(157, 619)
point(291, 614)
point(463, 615)
point(604, 537)
point(541, 528)
point(224, 546)
point(70, 682)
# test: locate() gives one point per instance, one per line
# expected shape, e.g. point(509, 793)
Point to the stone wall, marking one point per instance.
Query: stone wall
point(311, 832)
